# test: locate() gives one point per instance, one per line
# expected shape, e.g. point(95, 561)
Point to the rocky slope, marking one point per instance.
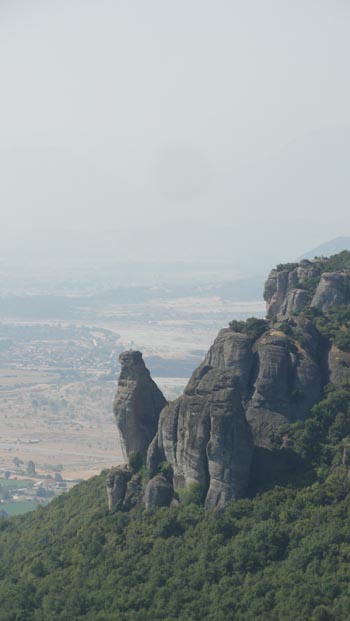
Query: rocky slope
point(257, 377)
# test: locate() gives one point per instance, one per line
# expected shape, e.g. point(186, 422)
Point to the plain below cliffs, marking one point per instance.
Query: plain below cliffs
point(250, 384)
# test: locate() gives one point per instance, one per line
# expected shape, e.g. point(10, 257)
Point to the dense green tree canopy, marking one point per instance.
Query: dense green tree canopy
point(281, 555)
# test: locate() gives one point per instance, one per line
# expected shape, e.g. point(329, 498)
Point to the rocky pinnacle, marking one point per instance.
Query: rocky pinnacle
point(137, 404)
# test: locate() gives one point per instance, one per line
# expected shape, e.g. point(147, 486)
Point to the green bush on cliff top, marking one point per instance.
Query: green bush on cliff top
point(252, 327)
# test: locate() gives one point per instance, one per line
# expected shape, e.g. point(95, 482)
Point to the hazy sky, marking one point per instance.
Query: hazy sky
point(187, 129)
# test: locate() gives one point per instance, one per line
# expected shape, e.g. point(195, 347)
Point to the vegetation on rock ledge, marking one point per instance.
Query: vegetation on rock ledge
point(333, 324)
point(252, 327)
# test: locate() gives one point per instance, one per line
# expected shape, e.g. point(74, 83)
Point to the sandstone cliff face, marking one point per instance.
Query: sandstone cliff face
point(204, 434)
point(290, 290)
point(283, 293)
point(338, 366)
point(124, 488)
point(333, 290)
point(238, 398)
point(116, 483)
point(137, 404)
point(158, 492)
point(288, 381)
point(205, 437)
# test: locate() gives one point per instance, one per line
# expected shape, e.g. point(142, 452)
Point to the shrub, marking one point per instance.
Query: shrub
point(286, 267)
point(256, 327)
point(135, 462)
point(192, 494)
point(285, 328)
point(237, 326)
point(166, 470)
point(252, 327)
point(338, 262)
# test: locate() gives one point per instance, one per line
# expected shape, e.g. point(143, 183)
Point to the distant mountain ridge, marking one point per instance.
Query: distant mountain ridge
point(328, 248)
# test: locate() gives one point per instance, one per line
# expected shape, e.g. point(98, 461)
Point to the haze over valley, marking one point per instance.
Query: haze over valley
point(154, 166)
point(61, 334)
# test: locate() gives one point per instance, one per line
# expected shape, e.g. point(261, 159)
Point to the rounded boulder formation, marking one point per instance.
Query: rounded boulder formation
point(158, 493)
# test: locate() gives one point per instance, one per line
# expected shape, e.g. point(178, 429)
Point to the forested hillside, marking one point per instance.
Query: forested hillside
point(281, 555)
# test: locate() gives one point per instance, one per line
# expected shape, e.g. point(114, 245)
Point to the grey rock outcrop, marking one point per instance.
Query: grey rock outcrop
point(284, 291)
point(332, 290)
point(137, 404)
point(289, 290)
point(204, 434)
point(288, 383)
point(124, 489)
point(158, 492)
point(346, 456)
point(116, 483)
point(223, 426)
point(229, 450)
point(338, 366)
point(134, 493)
